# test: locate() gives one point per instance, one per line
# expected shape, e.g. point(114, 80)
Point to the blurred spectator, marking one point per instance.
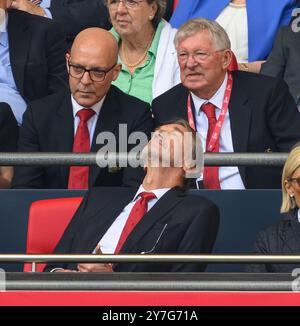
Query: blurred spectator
point(251, 25)
point(9, 132)
point(73, 15)
point(32, 58)
point(238, 112)
point(284, 60)
point(73, 120)
point(283, 238)
point(146, 49)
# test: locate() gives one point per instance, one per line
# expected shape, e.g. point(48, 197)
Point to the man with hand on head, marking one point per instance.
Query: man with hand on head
point(159, 218)
point(73, 119)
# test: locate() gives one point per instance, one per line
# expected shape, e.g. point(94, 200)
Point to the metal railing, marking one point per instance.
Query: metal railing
point(140, 258)
point(67, 159)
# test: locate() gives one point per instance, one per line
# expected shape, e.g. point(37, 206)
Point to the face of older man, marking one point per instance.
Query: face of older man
point(202, 65)
point(95, 50)
point(132, 17)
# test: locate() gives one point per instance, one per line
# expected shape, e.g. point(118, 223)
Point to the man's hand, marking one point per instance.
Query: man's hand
point(28, 6)
point(61, 270)
point(95, 268)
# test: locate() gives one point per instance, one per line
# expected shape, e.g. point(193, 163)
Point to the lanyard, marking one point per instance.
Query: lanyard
point(217, 130)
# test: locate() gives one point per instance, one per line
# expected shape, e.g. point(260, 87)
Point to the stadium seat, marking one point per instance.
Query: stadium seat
point(46, 223)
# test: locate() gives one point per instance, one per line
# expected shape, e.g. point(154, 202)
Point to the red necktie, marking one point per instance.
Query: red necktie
point(211, 173)
point(139, 209)
point(79, 175)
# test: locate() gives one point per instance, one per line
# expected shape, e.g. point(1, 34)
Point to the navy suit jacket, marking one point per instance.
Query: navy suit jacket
point(48, 126)
point(190, 225)
point(9, 130)
point(263, 118)
point(77, 15)
point(282, 238)
point(37, 54)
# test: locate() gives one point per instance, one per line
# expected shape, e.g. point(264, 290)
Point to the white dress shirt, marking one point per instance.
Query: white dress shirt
point(229, 176)
point(109, 241)
point(234, 20)
point(92, 121)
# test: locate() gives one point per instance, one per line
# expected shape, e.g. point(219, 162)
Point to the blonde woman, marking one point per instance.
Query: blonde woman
point(283, 237)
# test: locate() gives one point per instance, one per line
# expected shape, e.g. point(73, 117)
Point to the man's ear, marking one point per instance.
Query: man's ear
point(68, 57)
point(117, 70)
point(227, 58)
point(192, 171)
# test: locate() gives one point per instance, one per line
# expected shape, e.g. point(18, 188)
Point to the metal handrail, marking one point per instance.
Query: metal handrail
point(112, 159)
point(141, 258)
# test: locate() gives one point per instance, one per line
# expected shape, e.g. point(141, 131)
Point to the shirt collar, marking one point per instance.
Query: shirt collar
point(216, 99)
point(3, 27)
point(96, 107)
point(157, 192)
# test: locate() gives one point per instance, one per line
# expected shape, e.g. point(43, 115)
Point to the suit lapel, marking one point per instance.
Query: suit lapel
point(107, 122)
point(19, 40)
point(103, 218)
point(161, 208)
point(240, 116)
point(64, 130)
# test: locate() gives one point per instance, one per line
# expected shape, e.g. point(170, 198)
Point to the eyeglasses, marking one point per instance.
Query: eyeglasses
point(131, 4)
point(198, 56)
point(295, 180)
point(97, 75)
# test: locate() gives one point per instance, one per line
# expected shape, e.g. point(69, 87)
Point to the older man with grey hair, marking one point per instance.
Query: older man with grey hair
point(232, 111)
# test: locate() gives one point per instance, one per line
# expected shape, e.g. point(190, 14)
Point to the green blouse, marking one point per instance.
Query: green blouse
point(140, 83)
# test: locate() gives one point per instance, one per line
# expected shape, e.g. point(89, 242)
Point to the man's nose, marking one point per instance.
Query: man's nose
point(86, 79)
point(191, 62)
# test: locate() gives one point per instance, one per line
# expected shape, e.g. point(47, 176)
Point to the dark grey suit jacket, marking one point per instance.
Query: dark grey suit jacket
point(281, 238)
point(263, 118)
point(37, 54)
point(284, 60)
point(77, 15)
point(48, 126)
point(178, 223)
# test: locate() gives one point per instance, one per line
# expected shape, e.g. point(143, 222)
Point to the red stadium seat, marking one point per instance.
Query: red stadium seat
point(47, 221)
point(233, 63)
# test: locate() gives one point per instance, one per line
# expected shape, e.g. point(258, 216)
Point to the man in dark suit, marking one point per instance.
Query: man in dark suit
point(52, 124)
point(284, 59)
point(261, 115)
point(171, 222)
point(73, 15)
point(32, 51)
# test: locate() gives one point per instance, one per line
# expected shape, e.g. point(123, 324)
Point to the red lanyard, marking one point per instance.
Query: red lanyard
point(219, 124)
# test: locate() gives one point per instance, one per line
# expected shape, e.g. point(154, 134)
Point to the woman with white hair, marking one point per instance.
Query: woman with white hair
point(146, 49)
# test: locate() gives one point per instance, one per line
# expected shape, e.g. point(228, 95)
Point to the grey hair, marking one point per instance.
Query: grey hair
point(217, 33)
point(160, 12)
